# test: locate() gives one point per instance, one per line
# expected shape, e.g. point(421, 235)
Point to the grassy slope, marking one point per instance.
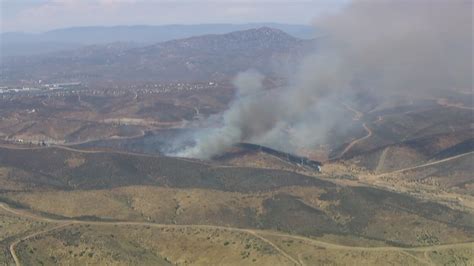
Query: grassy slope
point(338, 210)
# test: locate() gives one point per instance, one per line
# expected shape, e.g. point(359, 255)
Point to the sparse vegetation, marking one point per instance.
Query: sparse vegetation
point(323, 168)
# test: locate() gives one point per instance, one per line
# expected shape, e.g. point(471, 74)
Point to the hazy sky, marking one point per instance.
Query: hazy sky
point(42, 15)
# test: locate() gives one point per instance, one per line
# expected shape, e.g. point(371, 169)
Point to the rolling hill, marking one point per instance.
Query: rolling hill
point(201, 58)
point(116, 183)
point(20, 43)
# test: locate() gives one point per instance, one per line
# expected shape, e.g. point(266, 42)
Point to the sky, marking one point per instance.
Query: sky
point(44, 15)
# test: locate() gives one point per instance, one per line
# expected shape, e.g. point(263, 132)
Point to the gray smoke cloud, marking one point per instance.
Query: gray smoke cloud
point(382, 48)
point(414, 46)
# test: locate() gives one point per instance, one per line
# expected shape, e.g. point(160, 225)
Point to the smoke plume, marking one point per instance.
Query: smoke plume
point(382, 48)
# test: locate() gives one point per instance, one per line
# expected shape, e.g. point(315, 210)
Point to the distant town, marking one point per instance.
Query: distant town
point(62, 89)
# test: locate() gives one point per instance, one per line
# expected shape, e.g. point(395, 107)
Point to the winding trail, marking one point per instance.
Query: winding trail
point(14, 244)
point(66, 222)
point(382, 158)
point(282, 252)
point(255, 232)
point(354, 142)
point(67, 148)
point(445, 103)
point(426, 164)
point(357, 116)
point(139, 135)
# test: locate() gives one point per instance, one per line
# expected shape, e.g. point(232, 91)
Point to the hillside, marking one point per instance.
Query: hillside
point(19, 43)
point(126, 186)
point(208, 57)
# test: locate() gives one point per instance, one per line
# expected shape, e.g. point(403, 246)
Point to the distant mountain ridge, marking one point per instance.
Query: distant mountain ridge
point(234, 42)
point(200, 58)
point(18, 43)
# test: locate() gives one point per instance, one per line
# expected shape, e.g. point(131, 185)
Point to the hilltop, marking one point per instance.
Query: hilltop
point(21, 43)
point(201, 58)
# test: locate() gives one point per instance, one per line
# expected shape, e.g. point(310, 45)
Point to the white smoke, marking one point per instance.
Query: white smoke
point(382, 47)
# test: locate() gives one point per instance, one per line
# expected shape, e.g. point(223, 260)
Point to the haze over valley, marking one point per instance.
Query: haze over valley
point(346, 140)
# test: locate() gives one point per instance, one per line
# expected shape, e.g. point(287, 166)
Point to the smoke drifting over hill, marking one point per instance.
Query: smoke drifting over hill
point(382, 48)
point(404, 45)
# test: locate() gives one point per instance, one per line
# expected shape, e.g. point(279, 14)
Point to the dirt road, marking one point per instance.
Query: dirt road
point(426, 164)
point(381, 161)
point(445, 103)
point(14, 244)
point(62, 223)
point(354, 142)
point(67, 148)
point(357, 114)
point(257, 233)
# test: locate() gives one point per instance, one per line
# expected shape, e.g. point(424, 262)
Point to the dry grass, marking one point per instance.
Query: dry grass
point(75, 161)
point(450, 256)
point(11, 225)
point(202, 206)
point(6, 180)
point(309, 254)
point(138, 245)
point(11, 228)
point(141, 203)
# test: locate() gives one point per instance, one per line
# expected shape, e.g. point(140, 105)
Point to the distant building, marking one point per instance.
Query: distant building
point(67, 85)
